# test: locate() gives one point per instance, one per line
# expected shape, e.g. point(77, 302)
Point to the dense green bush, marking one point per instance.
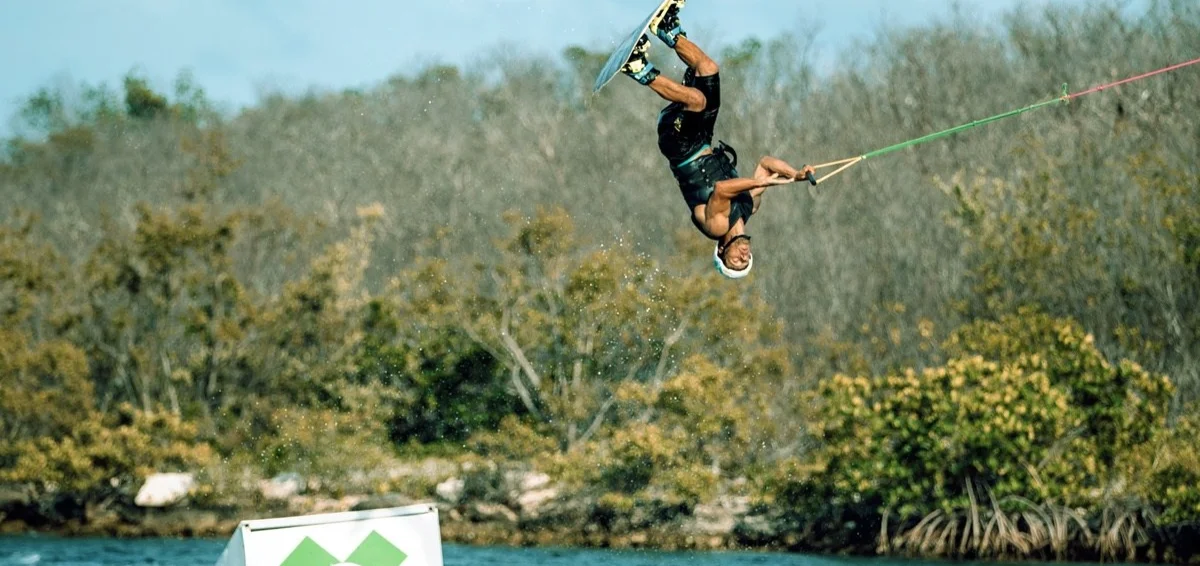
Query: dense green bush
point(1168, 471)
point(1118, 406)
point(1026, 408)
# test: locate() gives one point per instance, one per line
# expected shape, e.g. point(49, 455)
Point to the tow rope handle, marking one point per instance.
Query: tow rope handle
point(811, 178)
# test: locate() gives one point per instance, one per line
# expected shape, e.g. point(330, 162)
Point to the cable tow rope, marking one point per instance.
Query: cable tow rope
point(844, 164)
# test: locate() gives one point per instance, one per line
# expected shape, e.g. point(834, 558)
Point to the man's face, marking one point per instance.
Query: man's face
point(737, 255)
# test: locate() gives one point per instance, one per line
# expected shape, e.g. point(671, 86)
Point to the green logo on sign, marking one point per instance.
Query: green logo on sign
point(374, 551)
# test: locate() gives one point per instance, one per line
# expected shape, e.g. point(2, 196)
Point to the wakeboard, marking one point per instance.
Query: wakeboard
point(621, 54)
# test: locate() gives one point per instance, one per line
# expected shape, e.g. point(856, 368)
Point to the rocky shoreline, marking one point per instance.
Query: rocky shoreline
point(473, 525)
point(531, 513)
point(525, 511)
point(468, 525)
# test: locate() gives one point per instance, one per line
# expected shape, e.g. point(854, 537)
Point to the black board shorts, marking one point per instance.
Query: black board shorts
point(681, 134)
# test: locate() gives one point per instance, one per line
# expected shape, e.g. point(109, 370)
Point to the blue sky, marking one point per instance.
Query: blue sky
point(237, 49)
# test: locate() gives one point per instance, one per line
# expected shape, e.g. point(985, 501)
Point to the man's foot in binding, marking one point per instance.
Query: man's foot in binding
point(638, 66)
point(668, 29)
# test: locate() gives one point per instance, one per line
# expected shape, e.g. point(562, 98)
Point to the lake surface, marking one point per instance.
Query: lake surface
point(52, 551)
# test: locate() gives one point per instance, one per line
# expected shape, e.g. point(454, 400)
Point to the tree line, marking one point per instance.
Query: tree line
point(479, 261)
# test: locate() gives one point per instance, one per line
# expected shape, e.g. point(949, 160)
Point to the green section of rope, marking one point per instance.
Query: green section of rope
point(955, 130)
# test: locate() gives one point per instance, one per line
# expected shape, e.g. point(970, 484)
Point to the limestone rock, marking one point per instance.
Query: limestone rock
point(532, 481)
point(314, 505)
point(718, 518)
point(532, 501)
point(282, 486)
point(13, 496)
point(451, 490)
point(490, 512)
point(162, 490)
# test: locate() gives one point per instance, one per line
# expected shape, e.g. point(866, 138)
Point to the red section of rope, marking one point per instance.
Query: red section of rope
point(1131, 79)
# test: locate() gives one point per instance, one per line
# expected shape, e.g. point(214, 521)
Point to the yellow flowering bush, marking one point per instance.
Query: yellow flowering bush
point(1028, 407)
point(101, 456)
point(1119, 406)
point(912, 441)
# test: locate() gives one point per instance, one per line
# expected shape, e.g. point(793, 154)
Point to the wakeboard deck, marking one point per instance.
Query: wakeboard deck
point(621, 54)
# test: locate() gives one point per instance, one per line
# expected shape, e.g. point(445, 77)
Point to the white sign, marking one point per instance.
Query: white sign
point(403, 536)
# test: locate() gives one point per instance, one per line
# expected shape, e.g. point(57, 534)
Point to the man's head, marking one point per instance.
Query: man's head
point(734, 259)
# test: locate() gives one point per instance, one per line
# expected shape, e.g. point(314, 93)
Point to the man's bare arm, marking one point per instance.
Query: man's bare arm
point(731, 188)
point(716, 213)
point(770, 171)
point(770, 165)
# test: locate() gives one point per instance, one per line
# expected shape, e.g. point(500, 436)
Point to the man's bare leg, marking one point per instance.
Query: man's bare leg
point(756, 195)
point(639, 68)
point(692, 99)
point(694, 57)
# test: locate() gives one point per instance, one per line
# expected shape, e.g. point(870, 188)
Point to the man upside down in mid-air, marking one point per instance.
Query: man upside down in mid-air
point(721, 201)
